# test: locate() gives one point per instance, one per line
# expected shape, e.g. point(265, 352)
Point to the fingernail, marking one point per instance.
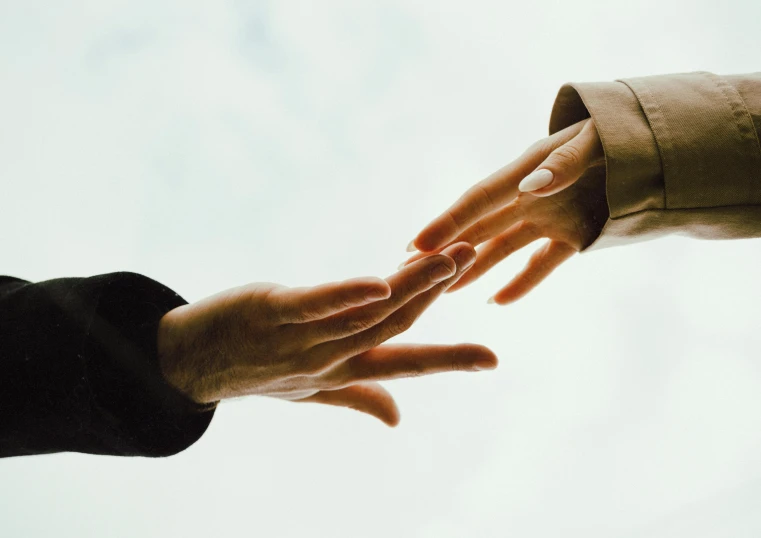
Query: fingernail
point(411, 246)
point(465, 259)
point(536, 180)
point(441, 272)
point(484, 365)
point(401, 266)
point(491, 301)
point(375, 295)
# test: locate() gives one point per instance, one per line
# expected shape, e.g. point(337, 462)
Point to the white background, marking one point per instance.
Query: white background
point(211, 144)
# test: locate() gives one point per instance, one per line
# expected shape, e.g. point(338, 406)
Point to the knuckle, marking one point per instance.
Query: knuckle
point(477, 233)
point(415, 369)
point(344, 325)
point(567, 156)
point(306, 313)
point(345, 300)
point(457, 364)
point(506, 247)
point(356, 325)
point(453, 218)
point(540, 147)
point(308, 366)
point(479, 197)
point(399, 324)
point(411, 287)
point(355, 371)
point(274, 304)
point(528, 227)
point(521, 231)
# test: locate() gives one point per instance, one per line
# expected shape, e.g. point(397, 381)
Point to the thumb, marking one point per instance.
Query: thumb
point(565, 165)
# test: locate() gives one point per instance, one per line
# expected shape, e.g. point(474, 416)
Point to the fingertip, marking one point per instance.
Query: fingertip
point(480, 357)
point(411, 246)
point(489, 355)
point(503, 298)
point(446, 259)
point(385, 288)
point(430, 239)
point(392, 421)
point(481, 350)
point(465, 247)
point(388, 415)
point(376, 293)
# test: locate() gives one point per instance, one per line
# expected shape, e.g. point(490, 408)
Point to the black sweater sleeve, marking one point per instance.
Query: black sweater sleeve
point(79, 369)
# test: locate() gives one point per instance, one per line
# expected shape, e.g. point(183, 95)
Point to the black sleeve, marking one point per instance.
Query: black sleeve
point(79, 369)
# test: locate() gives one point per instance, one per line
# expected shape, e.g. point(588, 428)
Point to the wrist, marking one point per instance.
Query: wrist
point(172, 354)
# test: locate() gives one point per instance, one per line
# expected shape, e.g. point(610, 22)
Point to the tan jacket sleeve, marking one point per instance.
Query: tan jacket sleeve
point(682, 153)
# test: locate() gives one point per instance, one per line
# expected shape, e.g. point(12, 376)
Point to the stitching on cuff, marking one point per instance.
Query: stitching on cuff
point(739, 110)
point(657, 122)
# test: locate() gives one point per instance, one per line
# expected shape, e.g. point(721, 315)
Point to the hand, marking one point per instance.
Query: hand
point(316, 344)
point(555, 190)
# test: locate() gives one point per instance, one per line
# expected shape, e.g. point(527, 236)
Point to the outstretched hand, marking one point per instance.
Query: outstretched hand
point(555, 190)
point(319, 344)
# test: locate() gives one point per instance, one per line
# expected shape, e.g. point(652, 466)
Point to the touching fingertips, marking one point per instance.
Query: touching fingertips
point(538, 179)
point(465, 259)
point(441, 272)
point(432, 237)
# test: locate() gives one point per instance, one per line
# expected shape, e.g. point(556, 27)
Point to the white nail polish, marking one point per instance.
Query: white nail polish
point(411, 246)
point(536, 180)
point(491, 301)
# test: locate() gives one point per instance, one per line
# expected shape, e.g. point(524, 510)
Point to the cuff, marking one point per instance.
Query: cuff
point(682, 155)
point(140, 413)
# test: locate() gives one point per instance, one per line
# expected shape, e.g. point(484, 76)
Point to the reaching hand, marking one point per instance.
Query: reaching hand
point(316, 344)
point(555, 190)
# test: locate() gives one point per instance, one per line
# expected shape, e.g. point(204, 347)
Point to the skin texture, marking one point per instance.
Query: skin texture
point(494, 215)
point(320, 344)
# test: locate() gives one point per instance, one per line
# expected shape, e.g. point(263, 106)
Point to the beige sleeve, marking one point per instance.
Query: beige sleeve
point(682, 153)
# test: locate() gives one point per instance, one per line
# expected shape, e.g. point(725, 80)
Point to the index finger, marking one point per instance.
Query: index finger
point(488, 194)
point(479, 200)
point(301, 305)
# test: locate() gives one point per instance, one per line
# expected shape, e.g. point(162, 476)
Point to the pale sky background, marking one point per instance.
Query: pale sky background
point(210, 144)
